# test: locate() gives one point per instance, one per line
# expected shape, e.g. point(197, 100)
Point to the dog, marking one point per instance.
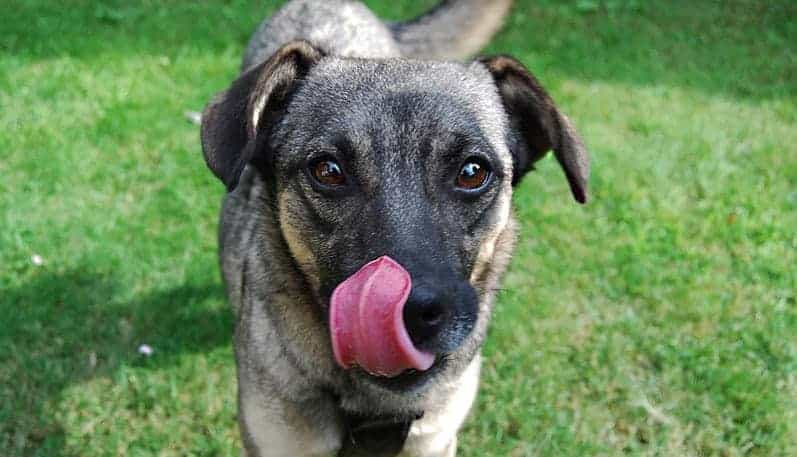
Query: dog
point(369, 171)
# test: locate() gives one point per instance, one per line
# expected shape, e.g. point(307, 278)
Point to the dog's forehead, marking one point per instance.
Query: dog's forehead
point(401, 74)
point(440, 90)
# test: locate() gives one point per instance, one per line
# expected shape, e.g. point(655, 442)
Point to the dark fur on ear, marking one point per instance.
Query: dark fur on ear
point(539, 123)
point(237, 119)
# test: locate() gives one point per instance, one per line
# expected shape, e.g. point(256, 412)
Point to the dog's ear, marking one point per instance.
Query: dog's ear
point(538, 125)
point(235, 118)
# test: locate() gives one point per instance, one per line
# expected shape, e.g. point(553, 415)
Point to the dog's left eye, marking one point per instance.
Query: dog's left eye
point(328, 172)
point(473, 174)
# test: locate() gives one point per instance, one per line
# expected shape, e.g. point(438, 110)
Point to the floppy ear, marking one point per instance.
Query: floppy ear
point(540, 125)
point(236, 118)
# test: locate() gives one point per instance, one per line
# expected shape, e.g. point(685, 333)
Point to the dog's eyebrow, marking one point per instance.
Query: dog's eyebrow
point(344, 145)
point(458, 145)
point(336, 144)
point(453, 142)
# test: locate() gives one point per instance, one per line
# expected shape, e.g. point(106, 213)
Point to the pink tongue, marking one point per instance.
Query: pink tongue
point(367, 323)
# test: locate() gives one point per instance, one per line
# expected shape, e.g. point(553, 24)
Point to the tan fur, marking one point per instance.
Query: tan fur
point(278, 433)
point(487, 250)
point(299, 250)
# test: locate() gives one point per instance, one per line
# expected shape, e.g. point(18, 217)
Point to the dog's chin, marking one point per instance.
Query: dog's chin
point(409, 381)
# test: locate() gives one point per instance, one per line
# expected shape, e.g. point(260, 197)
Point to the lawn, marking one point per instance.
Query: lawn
point(659, 320)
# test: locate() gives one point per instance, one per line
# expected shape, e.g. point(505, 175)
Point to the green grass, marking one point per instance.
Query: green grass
point(659, 320)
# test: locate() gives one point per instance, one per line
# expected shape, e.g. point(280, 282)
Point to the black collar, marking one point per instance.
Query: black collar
point(375, 436)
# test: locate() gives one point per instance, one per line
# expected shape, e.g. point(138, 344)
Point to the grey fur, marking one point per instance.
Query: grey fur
point(407, 124)
point(340, 27)
point(454, 30)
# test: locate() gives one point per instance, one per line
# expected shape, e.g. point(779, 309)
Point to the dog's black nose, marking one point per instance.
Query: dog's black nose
point(438, 317)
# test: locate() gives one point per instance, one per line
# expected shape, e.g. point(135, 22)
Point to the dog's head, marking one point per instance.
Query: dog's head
point(411, 163)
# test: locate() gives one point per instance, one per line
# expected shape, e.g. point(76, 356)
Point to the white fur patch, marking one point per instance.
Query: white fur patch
point(435, 434)
point(257, 110)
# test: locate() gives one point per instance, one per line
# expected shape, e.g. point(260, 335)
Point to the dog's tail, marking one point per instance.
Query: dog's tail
point(453, 30)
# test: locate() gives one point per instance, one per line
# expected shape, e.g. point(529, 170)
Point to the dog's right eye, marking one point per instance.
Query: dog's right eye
point(327, 171)
point(473, 175)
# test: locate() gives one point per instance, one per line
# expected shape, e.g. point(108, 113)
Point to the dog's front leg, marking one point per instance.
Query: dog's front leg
point(435, 434)
point(447, 451)
point(271, 427)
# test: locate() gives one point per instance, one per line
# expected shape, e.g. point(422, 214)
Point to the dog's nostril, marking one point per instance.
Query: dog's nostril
point(424, 314)
point(432, 316)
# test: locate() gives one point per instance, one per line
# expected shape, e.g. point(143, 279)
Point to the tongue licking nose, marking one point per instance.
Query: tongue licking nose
point(367, 324)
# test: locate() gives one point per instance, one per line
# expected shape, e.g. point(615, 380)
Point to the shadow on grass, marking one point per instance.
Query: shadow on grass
point(66, 328)
point(741, 48)
point(95, 29)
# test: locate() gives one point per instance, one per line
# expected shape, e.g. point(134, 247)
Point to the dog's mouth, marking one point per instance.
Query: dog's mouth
point(367, 326)
point(408, 380)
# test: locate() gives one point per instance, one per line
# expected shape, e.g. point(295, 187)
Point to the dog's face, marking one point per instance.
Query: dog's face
point(410, 160)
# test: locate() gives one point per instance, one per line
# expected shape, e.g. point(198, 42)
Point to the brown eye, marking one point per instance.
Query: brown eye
point(328, 172)
point(473, 174)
